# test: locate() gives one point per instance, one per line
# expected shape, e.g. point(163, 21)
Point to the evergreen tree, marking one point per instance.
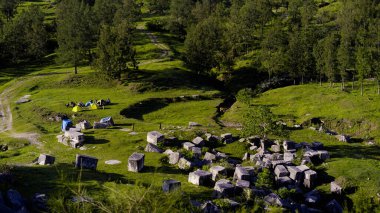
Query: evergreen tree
point(330, 58)
point(8, 8)
point(180, 16)
point(75, 34)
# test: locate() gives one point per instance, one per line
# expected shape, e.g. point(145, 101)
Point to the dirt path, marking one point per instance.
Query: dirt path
point(6, 121)
point(165, 50)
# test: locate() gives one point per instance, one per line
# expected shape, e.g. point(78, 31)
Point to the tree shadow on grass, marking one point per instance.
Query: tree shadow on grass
point(354, 151)
point(137, 110)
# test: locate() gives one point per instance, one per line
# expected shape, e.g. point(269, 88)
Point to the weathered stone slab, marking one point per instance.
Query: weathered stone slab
point(289, 145)
point(170, 185)
point(317, 146)
point(243, 184)
point(86, 162)
point(217, 171)
point(45, 159)
point(310, 179)
point(98, 125)
point(198, 141)
point(209, 207)
point(194, 124)
point(278, 162)
point(136, 162)
point(188, 145)
point(112, 162)
point(155, 137)
point(183, 163)
point(275, 148)
point(212, 138)
point(223, 188)
point(289, 157)
point(174, 158)
point(85, 125)
point(75, 136)
point(197, 152)
point(244, 173)
point(76, 129)
point(200, 178)
point(209, 157)
point(323, 155)
point(294, 173)
point(221, 155)
point(152, 148)
point(281, 171)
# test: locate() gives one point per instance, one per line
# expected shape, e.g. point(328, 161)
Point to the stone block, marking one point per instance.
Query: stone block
point(289, 145)
point(294, 173)
point(289, 157)
point(150, 147)
point(86, 162)
point(223, 188)
point(170, 185)
point(197, 152)
point(198, 141)
point(243, 184)
point(200, 178)
point(209, 157)
point(336, 188)
point(217, 171)
point(188, 145)
point(276, 148)
point(174, 158)
point(281, 171)
point(284, 181)
point(136, 162)
point(155, 137)
point(244, 173)
point(227, 138)
point(45, 159)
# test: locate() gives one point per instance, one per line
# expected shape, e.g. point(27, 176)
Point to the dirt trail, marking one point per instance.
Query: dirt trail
point(6, 121)
point(165, 50)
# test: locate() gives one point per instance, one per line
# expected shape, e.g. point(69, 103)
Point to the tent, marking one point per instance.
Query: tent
point(88, 104)
point(93, 106)
point(66, 124)
point(77, 109)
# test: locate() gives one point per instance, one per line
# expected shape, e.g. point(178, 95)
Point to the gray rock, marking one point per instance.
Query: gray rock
point(242, 140)
point(255, 140)
point(294, 173)
point(76, 129)
point(227, 138)
point(289, 157)
point(98, 125)
point(281, 171)
point(174, 158)
point(244, 173)
point(323, 155)
point(217, 171)
point(336, 188)
point(343, 138)
point(310, 179)
point(155, 137)
point(112, 162)
point(136, 162)
point(15, 199)
point(209, 157)
point(253, 148)
point(278, 162)
point(276, 148)
point(223, 188)
point(168, 152)
point(85, 125)
point(188, 145)
point(334, 207)
point(289, 145)
point(246, 156)
point(86, 162)
point(198, 141)
point(45, 159)
point(212, 138)
point(303, 168)
point(185, 164)
point(221, 155)
point(200, 178)
point(197, 152)
point(171, 185)
point(194, 124)
point(209, 207)
point(152, 148)
point(274, 200)
point(243, 184)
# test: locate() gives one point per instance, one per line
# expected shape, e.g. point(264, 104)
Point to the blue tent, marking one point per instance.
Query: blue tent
point(107, 120)
point(66, 124)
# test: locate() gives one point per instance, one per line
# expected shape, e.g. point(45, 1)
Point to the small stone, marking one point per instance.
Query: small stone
point(194, 124)
point(198, 141)
point(112, 162)
point(243, 183)
point(209, 157)
point(185, 164)
point(244, 173)
point(152, 148)
point(335, 188)
point(197, 152)
point(188, 145)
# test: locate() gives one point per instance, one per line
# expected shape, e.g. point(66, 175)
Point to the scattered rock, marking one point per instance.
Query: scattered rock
point(155, 137)
point(200, 178)
point(171, 185)
point(86, 162)
point(45, 159)
point(218, 171)
point(152, 148)
point(174, 158)
point(336, 188)
point(112, 162)
point(136, 162)
point(198, 141)
point(194, 124)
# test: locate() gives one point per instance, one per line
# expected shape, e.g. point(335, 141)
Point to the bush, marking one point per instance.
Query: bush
point(265, 179)
point(245, 96)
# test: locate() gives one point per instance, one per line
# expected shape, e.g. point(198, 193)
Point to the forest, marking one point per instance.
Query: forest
point(294, 40)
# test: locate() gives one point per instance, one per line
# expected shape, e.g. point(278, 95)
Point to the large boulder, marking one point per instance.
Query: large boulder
point(310, 179)
point(136, 162)
point(155, 137)
point(200, 178)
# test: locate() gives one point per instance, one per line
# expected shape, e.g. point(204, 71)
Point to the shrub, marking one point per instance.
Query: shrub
point(265, 179)
point(245, 96)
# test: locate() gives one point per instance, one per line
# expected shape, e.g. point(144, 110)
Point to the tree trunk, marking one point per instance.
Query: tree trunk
point(75, 68)
point(320, 79)
point(361, 87)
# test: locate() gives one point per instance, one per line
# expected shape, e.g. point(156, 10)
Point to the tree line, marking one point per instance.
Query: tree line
point(293, 39)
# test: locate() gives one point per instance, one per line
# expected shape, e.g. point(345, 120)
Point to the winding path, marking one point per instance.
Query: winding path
point(6, 121)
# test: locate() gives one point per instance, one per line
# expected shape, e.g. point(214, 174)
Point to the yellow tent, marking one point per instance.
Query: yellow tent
point(77, 109)
point(93, 106)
